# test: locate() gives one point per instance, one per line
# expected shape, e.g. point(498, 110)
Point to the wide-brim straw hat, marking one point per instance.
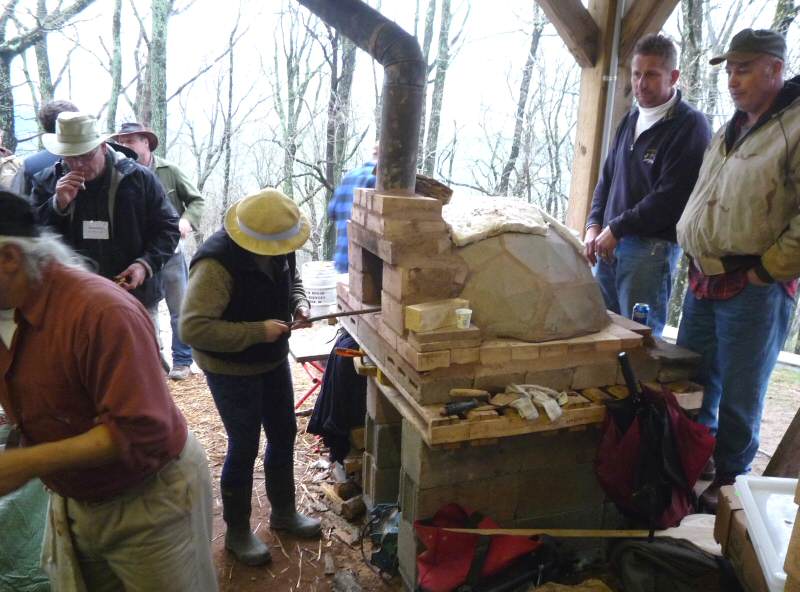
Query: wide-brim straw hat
point(133, 127)
point(76, 134)
point(267, 223)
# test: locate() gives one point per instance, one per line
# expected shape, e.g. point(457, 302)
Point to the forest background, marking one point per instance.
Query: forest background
point(251, 94)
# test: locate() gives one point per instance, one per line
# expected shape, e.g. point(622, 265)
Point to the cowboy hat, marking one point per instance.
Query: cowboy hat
point(134, 127)
point(76, 134)
point(267, 223)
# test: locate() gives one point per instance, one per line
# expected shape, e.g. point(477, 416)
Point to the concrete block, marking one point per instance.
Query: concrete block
point(437, 466)
point(559, 380)
point(594, 375)
point(407, 549)
point(557, 490)
point(495, 497)
point(379, 409)
point(385, 448)
point(381, 486)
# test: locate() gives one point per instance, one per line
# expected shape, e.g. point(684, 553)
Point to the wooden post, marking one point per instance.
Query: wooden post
point(591, 108)
point(641, 17)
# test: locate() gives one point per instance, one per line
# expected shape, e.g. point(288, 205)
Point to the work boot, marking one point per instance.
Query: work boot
point(709, 499)
point(239, 539)
point(284, 516)
point(180, 373)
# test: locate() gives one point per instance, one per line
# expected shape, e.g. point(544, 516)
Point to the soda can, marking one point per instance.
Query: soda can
point(640, 312)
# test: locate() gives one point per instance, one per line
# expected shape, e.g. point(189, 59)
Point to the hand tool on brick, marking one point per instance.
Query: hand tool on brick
point(460, 408)
point(335, 315)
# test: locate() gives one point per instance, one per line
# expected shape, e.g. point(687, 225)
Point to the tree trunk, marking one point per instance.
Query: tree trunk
point(42, 58)
point(785, 13)
point(691, 66)
point(116, 67)
point(442, 63)
point(338, 129)
point(226, 139)
point(524, 87)
point(7, 105)
point(157, 70)
point(427, 38)
point(692, 50)
point(15, 46)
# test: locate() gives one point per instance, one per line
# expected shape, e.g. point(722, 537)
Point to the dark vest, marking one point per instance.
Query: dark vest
point(256, 297)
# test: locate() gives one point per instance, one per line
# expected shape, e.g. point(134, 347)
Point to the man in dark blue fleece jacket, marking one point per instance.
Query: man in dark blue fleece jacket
point(644, 185)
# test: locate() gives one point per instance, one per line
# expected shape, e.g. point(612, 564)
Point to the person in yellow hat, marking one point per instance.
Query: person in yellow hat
point(244, 292)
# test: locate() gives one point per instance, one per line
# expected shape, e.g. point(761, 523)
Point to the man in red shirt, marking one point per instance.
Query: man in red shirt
point(131, 498)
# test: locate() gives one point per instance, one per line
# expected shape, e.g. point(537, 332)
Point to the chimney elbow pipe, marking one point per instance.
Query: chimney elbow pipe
point(403, 85)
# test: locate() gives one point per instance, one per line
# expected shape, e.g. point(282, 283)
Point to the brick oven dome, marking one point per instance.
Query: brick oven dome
point(527, 276)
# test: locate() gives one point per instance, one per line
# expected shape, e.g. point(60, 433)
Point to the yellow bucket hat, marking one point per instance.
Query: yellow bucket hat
point(267, 223)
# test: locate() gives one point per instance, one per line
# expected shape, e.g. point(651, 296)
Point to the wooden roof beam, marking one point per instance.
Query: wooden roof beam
point(641, 18)
point(576, 27)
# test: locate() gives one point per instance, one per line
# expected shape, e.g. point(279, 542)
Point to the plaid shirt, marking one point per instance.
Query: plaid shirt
point(727, 285)
point(340, 208)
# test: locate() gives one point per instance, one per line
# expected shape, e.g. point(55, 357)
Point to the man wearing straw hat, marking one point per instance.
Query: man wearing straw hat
point(107, 207)
point(244, 291)
point(188, 202)
point(130, 502)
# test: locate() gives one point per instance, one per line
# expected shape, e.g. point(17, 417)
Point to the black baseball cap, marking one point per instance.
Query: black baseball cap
point(748, 44)
point(16, 216)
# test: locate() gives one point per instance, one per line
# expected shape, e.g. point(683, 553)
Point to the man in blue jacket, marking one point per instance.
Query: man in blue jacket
point(340, 208)
point(644, 185)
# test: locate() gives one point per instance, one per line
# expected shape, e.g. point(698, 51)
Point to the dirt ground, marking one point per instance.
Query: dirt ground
point(299, 565)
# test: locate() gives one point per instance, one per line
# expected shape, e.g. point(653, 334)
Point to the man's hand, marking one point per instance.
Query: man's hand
point(185, 227)
point(67, 188)
point(605, 244)
point(132, 277)
point(752, 277)
point(14, 471)
point(589, 241)
point(301, 316)
point(273, 330)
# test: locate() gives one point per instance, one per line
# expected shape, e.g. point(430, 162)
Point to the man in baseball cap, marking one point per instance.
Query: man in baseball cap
point(741, 230)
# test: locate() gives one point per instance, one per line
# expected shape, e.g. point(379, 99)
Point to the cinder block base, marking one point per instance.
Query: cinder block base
point(381, 486)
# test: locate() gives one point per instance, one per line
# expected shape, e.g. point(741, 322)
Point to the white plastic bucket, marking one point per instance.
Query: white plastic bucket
point(319, 281)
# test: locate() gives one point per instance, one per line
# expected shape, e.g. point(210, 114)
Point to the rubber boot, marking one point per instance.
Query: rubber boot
point(239, 539)
point(284, 516)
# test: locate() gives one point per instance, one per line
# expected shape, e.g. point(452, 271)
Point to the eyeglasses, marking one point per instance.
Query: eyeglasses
point(83, 158)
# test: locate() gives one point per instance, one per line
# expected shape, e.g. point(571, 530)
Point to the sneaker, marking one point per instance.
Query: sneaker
point(180, 373)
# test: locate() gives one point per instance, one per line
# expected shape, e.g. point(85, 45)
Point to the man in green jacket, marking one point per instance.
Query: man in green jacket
point(741, 230)
point(188, 202)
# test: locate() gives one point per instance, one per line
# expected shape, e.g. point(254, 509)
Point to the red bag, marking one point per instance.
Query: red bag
point(650, 456)
point(449, 557)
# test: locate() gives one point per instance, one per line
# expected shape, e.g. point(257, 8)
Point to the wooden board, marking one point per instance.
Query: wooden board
point(485, 424)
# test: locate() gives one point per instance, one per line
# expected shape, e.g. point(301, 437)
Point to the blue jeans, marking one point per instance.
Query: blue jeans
point(175, 276)
point(739, 340)
point(642, 271)
point(245, 404)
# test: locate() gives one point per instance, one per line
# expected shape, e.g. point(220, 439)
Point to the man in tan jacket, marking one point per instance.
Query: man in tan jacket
point(741, 230)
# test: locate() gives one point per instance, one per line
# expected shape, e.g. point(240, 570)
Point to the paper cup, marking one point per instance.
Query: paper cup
point(463, 316)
